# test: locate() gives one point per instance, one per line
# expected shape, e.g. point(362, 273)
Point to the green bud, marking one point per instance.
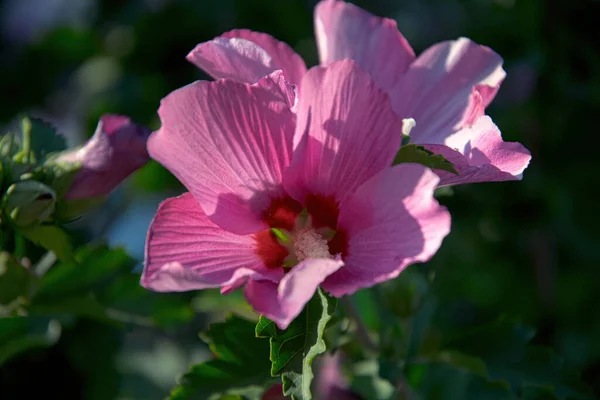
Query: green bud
point(9, 145)
point(59, 175)
point(29, 202)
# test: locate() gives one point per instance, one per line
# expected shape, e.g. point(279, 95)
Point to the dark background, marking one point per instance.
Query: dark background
point(528, 250)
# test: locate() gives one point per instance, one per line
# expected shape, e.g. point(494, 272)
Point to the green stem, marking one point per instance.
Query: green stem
point(361, 330)
point(26, 127)
point(20, 246)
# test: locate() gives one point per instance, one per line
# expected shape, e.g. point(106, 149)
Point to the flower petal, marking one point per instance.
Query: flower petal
point(284, 301)
point(330, 383)
point(437, 87)
point(344, 30)
point(479, 155)
point(117, 149)
point(346, 132)
point(186, 251)
point(391, 221)
point(246, 56)
point(475, 108)
point(228, 143)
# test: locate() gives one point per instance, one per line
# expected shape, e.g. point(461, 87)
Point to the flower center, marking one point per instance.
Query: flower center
point(298, 232)
point(308, 243)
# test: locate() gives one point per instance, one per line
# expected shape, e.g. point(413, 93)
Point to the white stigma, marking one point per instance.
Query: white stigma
point(407, 125)
point(309, 244)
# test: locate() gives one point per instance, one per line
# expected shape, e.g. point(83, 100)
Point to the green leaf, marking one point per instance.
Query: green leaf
point(471, 364)
point(241, 366)
point(51, 238)
point(367, 382)
point(508, 356)
point(439, 380)
point(130, 302)
point(18, 334)
point(69, 210)
point(63, 306)
point(98, 283)
point(15, 279)
point(91, 266)
point(213, 302)
point(531, 392)
point(412, 153)
point(294, 349)
point(45, 139)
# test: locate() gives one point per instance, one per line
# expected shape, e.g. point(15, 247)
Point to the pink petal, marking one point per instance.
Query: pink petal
point(344, 30)
point(246, 56)
point(346, 132)
point(186, 251)
point(228, 143)
point(437, 87)
point(329, 381)
point(117, 149)
point(391, 221)
point(479, 155)
point(282, 303)
point(475, 108)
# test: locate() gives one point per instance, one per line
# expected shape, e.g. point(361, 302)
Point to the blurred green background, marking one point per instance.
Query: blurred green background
point(527, 251)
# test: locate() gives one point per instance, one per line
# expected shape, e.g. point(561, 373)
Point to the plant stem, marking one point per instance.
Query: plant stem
point(20, 246)
point(26, 127)
point(361, 330)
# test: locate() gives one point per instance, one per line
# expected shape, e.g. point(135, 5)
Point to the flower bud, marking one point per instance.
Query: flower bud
point(116, 150)
point(29, 202)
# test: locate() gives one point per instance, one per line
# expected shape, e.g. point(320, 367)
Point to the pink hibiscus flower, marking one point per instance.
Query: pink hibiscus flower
point(117, 149)
point(445, 89)
point(322, 174)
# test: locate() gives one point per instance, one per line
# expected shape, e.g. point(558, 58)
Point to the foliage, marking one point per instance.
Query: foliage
point(418, 154)
point(293, 350)
point(241, 364)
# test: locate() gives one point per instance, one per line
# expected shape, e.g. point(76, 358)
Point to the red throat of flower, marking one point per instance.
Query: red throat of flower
point(298, 232)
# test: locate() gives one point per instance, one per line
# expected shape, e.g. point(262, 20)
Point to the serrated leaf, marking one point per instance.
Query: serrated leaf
point(412, 153)
point(293, 350)
point(50, 237)
point(241, 366)
point(45, 139)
